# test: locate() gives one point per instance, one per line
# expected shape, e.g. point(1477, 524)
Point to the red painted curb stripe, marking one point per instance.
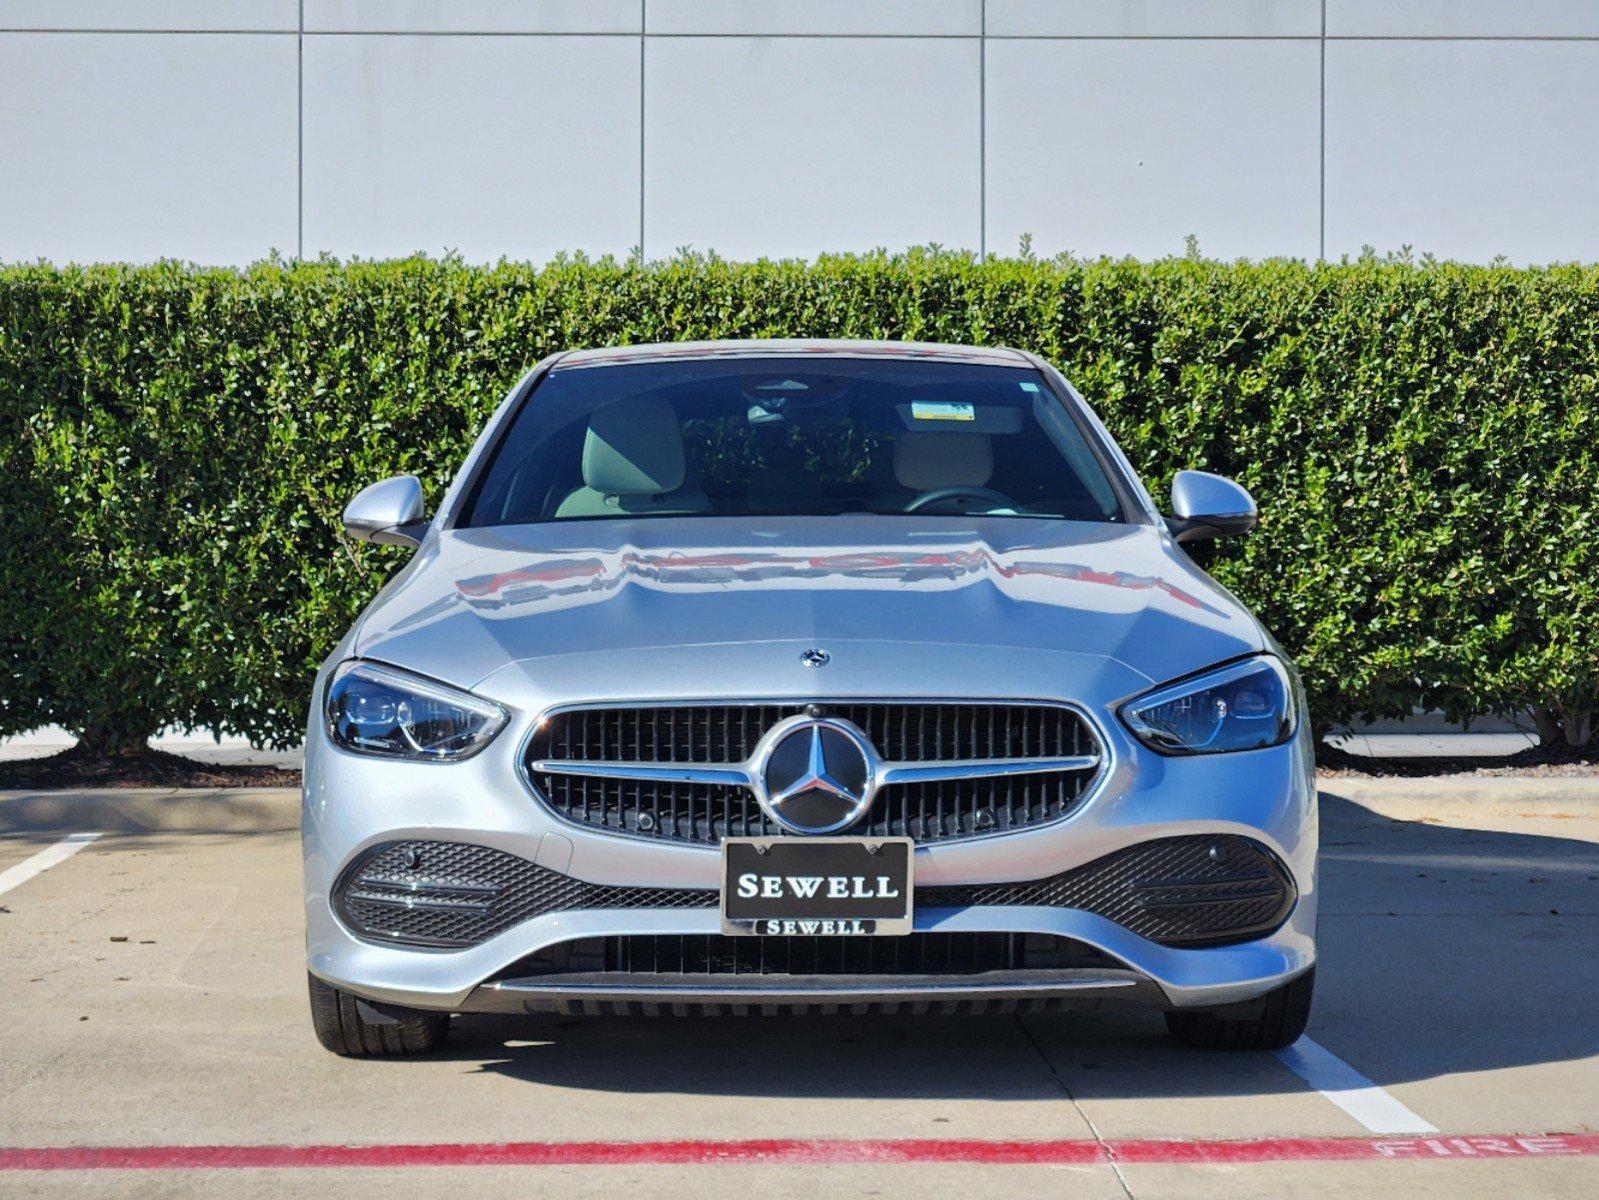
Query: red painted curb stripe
point(467, 1154)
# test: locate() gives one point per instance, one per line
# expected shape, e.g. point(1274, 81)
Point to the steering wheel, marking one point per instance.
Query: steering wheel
point(960, 491)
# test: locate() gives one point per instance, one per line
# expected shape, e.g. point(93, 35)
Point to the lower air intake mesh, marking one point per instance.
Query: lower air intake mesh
point(1182, 891)
point(456, 894)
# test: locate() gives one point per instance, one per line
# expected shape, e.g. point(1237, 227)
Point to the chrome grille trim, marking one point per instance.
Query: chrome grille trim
point(685, 771)
point(729, 774)
point(743, 774)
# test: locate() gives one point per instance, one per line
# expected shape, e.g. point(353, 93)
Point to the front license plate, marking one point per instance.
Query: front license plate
point(791, 887)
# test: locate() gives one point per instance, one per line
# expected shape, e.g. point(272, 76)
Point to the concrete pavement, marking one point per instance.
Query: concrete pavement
point(154, 988)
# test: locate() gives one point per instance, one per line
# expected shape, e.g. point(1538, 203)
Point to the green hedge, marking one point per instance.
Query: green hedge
point(177, 444)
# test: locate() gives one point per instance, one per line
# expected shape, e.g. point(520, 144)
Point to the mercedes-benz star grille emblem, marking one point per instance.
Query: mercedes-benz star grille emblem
point(815, 657)
point(816, 775)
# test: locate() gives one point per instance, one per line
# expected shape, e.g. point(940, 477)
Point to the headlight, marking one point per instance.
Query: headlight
point(373, 709)
point(1244, 706)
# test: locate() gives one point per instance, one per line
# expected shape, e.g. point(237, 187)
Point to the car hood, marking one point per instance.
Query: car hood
point(668, 593)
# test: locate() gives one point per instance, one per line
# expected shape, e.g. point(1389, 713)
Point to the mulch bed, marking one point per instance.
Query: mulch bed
point(76, 768)
point(147, 768)
point(1533, 762)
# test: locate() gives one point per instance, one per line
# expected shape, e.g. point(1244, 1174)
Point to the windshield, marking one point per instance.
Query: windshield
point(791, 437)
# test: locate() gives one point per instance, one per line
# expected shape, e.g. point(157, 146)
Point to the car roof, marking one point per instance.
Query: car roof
point(791, 348)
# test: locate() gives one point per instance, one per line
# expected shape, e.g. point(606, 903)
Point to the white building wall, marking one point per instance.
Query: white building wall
point(221, 130)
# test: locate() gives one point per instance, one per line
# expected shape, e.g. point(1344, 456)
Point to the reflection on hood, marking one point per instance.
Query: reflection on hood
point(550, 581)
point(475, 600)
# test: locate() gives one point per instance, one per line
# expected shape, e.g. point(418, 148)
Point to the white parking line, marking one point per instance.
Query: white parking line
point(1350, 1090)
point(39, 863)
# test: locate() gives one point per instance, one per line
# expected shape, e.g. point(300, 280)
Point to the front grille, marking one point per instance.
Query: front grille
point(908, 732)
point(1182, 891)
point(720, 955)
point(902, 732)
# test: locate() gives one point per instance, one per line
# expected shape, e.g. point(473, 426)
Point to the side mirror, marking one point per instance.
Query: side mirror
point(1208, 506)
point(389, 512)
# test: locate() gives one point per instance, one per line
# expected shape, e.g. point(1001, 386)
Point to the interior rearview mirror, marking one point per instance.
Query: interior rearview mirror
point(1209, 506)
point(390, 512)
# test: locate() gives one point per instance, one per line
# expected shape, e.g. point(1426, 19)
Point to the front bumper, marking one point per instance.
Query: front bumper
point(465, 980)
point(651, 995)
point(353, 803)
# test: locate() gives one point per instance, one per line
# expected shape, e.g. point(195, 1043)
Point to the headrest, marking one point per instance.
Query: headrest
point(925, 459)
point(633, 448)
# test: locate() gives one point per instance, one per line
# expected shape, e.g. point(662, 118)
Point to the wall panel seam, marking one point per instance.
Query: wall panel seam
point(643, 106)
point(299, 138)
point(1321, 140)
point(982, 130)
point(930, 37)
point(147, 32)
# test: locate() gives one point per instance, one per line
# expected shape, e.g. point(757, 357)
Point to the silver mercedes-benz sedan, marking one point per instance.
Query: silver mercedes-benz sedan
point(756, 676)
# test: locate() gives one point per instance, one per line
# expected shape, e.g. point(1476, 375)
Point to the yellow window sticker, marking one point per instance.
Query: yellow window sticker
point(942, 410)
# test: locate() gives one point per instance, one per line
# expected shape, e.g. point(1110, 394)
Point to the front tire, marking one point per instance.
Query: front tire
point(1275, 1020)
point(356, 1028)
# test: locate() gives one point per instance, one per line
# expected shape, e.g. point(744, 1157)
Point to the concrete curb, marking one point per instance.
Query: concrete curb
point(155, 810)
point(1560, 797)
